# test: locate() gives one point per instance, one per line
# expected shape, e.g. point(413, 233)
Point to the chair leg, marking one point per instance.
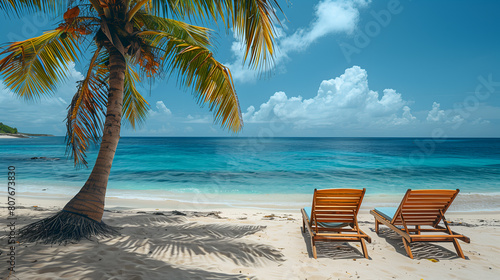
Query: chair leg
point(376, 225)
point(363, 246)
point(314, 248)
point(303, 225)
point(458, 248)
point(417, 229)
point(407, 248)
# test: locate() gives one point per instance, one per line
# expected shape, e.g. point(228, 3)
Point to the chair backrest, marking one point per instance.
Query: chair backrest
point(424, 207)
point(336, 205)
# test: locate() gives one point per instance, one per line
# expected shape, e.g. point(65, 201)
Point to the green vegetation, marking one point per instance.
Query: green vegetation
point(7, 129)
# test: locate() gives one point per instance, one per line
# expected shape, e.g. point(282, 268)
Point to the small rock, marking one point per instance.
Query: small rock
point(269, 217)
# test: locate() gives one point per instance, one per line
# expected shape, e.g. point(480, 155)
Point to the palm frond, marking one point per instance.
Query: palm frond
point(194, 35)
point(97, 7)
point(34, 67)
point(194, 239)
point(86, 113)
point(196, 68)
point(22, 6)
point(252, 21)
point(7, 4)
point(48, 6)
point(135, 107)
point(181, 9)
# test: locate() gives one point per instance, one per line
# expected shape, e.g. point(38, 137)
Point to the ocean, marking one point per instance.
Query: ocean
point(263, 165)
point(146, 166)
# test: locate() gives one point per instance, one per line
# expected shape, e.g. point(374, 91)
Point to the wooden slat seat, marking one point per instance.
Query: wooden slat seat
point(421, 208)
point(333, 217)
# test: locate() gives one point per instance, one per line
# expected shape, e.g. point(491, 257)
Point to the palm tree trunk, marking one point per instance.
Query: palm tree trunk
point(82, 216)
point(89, 202)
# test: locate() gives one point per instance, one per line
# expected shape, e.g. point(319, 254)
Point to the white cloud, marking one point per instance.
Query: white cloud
point(407, 116)
point(160, 115)
point(162, 108)
point(345, 105)
point(343, 101)
point(479, 121)
point(435, 114)
point(198, 119)
point(331, 16)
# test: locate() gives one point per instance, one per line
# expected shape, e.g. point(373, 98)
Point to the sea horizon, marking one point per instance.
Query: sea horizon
point(341, 137)
point(230, 170)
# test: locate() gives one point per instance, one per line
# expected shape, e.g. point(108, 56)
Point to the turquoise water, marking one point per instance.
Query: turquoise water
point(267, 166)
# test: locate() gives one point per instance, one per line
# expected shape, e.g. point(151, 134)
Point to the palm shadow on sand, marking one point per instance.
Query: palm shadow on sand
point(153, 247)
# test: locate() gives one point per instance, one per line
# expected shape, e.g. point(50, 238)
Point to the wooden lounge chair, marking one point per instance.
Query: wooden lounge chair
point(333, 217)
point(424, 210)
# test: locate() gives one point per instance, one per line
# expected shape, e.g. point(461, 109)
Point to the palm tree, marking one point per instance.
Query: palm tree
point(130, 40)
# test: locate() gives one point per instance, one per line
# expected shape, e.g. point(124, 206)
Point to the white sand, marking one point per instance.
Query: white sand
point(4, 136)
point(247, 244)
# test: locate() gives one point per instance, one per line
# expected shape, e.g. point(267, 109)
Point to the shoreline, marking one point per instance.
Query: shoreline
point(114, 205)
point(22, 135)
point(10, 136)
point(158, 199)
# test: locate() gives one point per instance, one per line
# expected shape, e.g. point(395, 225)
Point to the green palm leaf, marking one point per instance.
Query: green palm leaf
point(252, 20)
point(196, 68)
point(35, 66)
point(20, 6)
point(87, 110)
point(135, 107)
point(192, 34)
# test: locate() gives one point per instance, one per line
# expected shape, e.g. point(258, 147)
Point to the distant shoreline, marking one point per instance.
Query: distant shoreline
point(22, 135)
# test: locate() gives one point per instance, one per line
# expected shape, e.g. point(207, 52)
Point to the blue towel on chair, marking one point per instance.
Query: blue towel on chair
point(387, 212)
point(326, 225)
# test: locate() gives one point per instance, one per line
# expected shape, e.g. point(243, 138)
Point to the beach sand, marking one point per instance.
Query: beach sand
point(5, 136)
point(244, 243)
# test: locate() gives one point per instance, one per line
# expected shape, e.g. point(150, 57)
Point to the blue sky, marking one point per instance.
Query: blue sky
point(343, 68)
